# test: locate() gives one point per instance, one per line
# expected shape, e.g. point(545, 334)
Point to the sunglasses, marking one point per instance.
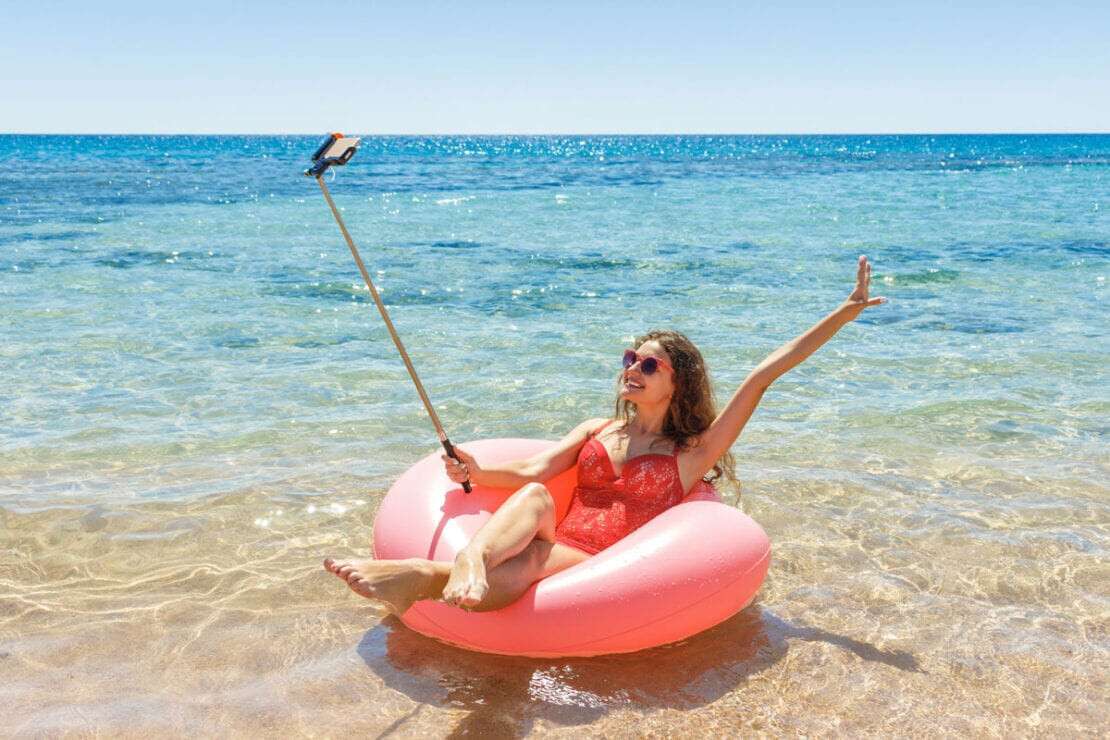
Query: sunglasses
point(648, 365)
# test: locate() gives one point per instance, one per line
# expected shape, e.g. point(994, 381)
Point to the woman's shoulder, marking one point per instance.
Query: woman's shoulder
point(589, 427)
point(597, 424)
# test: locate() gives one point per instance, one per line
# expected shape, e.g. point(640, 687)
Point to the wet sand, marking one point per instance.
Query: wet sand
point(884, 614)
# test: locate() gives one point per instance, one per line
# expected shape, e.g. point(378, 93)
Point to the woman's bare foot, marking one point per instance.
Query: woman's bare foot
point(467, 585)
point(395, 583)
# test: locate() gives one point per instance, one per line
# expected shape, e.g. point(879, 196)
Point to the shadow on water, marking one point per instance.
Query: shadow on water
point(505, 696)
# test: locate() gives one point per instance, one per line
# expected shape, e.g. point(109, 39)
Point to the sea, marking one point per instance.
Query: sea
point(199, 402)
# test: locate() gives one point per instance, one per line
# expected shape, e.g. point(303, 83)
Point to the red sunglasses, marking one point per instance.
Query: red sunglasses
point(648, 365)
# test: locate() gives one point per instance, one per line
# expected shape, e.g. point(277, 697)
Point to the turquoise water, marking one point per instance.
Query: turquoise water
point(177, 300)
point(192, 368)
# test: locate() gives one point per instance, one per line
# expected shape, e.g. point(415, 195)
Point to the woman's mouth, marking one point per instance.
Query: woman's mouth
point(632, 386)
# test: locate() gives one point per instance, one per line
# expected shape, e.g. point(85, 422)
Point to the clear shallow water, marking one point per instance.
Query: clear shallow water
point(199, 402)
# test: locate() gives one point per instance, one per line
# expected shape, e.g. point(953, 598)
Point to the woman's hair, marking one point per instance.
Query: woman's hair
point(692, 407)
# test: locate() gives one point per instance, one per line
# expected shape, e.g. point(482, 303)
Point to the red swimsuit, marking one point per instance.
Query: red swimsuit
point(605, 508)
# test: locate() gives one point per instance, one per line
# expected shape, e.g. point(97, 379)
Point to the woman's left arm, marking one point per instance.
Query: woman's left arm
point(730, 422)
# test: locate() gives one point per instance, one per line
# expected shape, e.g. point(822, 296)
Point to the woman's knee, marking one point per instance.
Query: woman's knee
point(538, 496)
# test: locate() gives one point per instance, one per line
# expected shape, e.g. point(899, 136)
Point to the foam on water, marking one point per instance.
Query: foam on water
point(199, 402)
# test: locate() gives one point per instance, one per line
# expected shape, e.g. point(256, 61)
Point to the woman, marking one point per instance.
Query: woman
point(667, 437)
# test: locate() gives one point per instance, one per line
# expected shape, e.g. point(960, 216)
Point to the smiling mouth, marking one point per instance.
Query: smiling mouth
point(635, 386)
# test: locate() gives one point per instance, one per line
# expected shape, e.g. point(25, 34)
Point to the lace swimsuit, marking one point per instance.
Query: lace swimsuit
point(606, 508)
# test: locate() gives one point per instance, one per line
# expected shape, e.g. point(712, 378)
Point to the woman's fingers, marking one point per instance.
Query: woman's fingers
point(456, 471)
point(861, 273)
point(863, 280)
point(859, 300)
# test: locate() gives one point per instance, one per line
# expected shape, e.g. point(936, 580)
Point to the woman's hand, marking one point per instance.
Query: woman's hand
point(858, 300)
point(461, 469)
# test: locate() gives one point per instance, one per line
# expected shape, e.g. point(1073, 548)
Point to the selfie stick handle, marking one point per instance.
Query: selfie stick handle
point(389, 325)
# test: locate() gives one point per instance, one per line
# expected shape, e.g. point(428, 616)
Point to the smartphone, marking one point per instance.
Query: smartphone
point(336, 149)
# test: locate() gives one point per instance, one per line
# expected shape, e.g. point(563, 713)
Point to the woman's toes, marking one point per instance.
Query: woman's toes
point(474, 595)
point(329, 564)
point(361, 587)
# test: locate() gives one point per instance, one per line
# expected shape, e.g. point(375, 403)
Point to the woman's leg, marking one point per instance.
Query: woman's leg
point(540, 559)
point(503, 547)
point(527, 515)
point(397, 584)
point(400, 583)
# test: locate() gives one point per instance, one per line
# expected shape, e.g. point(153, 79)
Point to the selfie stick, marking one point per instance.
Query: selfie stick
point(338, 150)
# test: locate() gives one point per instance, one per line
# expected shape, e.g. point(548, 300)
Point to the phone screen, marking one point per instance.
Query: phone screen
point(340, 146)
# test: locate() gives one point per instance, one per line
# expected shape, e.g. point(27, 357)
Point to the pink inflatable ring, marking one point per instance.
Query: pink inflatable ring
point(691, 567)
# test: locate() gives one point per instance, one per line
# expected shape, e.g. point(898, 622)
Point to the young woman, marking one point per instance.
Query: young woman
point(667, 436)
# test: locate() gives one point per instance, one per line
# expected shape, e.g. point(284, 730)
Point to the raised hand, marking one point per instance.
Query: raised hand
point(858, 300)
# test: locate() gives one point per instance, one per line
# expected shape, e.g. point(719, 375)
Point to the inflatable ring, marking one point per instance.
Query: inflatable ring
point(689, 568)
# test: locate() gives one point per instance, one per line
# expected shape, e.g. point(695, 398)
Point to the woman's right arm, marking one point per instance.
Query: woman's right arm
point(516, 473)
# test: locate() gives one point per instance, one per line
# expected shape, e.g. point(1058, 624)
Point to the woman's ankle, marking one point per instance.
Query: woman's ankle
point(474, 554)
point(440, 573)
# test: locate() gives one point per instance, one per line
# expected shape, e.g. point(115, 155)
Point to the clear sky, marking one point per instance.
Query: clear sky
point(555, 67)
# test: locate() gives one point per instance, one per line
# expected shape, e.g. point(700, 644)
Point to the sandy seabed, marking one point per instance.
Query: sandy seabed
point(878, 617)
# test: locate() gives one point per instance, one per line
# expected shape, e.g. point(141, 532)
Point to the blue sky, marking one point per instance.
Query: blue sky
point(567, 67)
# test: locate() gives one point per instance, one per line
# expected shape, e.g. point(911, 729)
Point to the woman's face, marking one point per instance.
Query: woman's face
point(638, 387)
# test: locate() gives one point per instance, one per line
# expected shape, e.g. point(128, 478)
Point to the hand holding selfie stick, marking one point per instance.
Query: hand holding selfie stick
point(338, 150)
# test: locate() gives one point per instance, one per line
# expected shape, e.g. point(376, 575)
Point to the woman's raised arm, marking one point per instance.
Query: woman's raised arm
point(725, 429)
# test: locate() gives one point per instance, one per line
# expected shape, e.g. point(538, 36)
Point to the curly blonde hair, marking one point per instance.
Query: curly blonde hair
point(692, 408)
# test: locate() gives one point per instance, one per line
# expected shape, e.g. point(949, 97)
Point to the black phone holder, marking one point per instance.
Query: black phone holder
point(321, 163)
